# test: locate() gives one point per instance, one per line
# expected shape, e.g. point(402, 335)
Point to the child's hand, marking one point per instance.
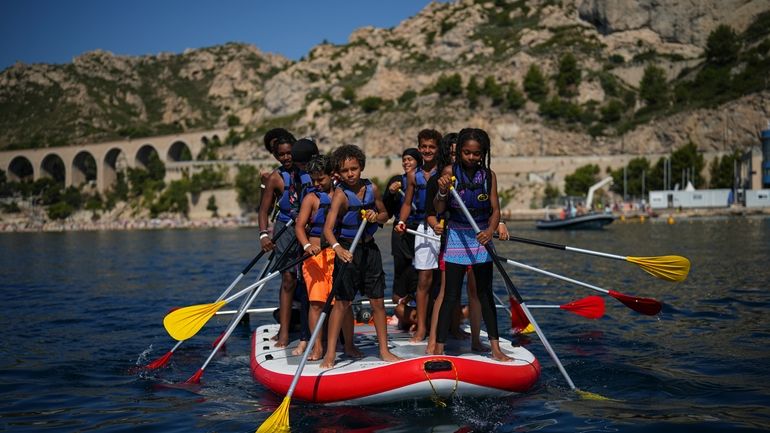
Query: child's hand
point(444, 182)
point(395, 186)
point(484, 236)
point(267, 244)
point(313, 250)
point(343, 254)
point(371, 215)
point(400, 227)
point(502, 231)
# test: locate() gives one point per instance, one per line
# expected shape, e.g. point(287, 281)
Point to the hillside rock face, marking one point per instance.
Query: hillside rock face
point(378, 90)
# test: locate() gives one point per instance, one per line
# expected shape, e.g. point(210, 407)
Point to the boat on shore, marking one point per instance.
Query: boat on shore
point(369, 380)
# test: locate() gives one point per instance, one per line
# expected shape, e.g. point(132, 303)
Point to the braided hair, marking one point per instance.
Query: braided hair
point(480, 136)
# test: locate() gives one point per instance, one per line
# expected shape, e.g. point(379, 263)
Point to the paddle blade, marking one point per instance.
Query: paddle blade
point(592, 396)
point(278, 422)
point(195, 379)
point(519, 321)
point(669, 268)
point(185, 322)
point(591, 307)
point(160, 362)
point(646, 306)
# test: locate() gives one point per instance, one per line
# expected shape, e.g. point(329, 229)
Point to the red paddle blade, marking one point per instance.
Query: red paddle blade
point(646, 306)
point(195, 378)
point(160, 362)
point(591, 307)
point(519, 321)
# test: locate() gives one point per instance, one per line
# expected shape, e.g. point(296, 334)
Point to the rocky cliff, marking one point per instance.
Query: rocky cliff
point(381, 87)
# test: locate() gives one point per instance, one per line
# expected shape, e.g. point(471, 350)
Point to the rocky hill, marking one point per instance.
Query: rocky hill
point(452, 65)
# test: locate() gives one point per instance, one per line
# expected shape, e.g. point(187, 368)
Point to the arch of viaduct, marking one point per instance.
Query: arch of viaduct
point(25, 164)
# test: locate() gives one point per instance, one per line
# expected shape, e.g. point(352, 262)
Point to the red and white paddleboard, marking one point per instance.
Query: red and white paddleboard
point(369, 380)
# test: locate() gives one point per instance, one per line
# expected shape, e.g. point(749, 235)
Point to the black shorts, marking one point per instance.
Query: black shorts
point(363, 275)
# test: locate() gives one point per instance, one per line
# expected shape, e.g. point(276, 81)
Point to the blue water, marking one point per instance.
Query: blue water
point(80, 310)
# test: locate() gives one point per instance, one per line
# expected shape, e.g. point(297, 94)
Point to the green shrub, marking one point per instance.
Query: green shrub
point(60, 211)
point(371, 104)
point(535, 85)
point(451, 85)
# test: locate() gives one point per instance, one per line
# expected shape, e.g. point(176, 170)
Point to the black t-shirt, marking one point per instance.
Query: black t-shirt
point(392, 201)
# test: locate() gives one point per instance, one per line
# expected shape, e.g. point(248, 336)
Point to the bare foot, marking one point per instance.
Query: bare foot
point(327, 363)
point(316, 354)
point(417, 338)
point(300, 349)
point(389, 357)
point(500, 356)
point(431, 347)
point(353, 352)
point(283, 341)
point(478, 346)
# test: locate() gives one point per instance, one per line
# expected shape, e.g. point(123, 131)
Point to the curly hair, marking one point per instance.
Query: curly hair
point(429, 134)
point(345, 152)
point(320, 164)
point(277, 136)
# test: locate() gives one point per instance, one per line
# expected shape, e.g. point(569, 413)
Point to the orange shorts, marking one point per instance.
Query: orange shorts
point(317, 271)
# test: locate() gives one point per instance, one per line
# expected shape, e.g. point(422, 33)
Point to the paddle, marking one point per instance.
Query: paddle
point(403, 194)
point(669, 268)
point(513, 293)
point(279, 420)
point(591, 307)
point(196, 378)
point(163, 360)
point(184, 323)
point(646, 306)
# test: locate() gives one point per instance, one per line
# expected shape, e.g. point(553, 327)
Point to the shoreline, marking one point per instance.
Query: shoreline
point(669, 216)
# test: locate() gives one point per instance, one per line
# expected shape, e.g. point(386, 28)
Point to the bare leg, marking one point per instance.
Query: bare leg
point(347, 331)
point(315, 313)
point(424, 281)
point(380, 325)
point(333, 331)
point(474, 315)
point(497, 353)
point(288, 284)
point(434, 317)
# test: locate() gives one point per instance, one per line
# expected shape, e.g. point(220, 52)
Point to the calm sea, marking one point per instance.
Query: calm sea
point(81, 310)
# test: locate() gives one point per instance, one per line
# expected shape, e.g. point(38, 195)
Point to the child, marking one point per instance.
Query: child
point(477, 186)
point(402, 244)
point(317, 270)
point(365, 273)
point(285, 184)
point(425, 250)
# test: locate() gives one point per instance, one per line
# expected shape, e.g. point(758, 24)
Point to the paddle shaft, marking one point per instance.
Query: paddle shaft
point(557, 276)
point(253, 262)
point(512, 289)
point(324, 313)
point(564, 247)
point(243, 308)
point(403, 194)
point(268, 277)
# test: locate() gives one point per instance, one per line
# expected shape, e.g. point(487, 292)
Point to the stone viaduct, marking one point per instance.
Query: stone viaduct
point(71, 164)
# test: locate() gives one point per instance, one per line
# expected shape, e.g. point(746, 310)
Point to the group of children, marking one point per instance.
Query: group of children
point(328, 200)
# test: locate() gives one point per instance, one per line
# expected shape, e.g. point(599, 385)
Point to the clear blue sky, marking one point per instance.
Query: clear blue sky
point(55, 31)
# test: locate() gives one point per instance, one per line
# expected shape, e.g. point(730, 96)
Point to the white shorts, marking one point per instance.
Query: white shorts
point(425, 250)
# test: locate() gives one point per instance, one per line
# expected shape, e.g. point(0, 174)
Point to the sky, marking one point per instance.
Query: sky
point(55, 31)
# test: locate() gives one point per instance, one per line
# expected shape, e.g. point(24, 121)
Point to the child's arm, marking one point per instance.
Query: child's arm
point(274, 183)
point(380, 216)
point(406, 207)
point(444, 182)
point(339, 204)
point(309, 205)
point(485, 236)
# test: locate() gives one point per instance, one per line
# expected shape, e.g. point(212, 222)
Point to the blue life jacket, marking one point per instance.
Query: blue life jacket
point(288, 204)
point(351, 220)
point(421, 184)
point(474, 193)
point(317, 223)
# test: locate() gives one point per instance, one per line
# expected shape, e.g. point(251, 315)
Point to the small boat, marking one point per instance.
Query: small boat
point(369, 380)
point(580, 222)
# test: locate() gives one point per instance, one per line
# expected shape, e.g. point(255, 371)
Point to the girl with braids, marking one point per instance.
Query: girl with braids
point(476, 184)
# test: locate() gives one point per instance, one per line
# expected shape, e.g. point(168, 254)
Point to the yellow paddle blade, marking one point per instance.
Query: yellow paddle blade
point(278, 422)
point(185, 322)
point(591, 396)
point(528, 330)
point(670, 268)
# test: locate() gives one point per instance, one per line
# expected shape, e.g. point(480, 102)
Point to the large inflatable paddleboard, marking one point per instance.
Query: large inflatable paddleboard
point(369, 380)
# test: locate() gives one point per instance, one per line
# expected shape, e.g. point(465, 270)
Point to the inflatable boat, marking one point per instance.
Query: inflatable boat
point(369, 380)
